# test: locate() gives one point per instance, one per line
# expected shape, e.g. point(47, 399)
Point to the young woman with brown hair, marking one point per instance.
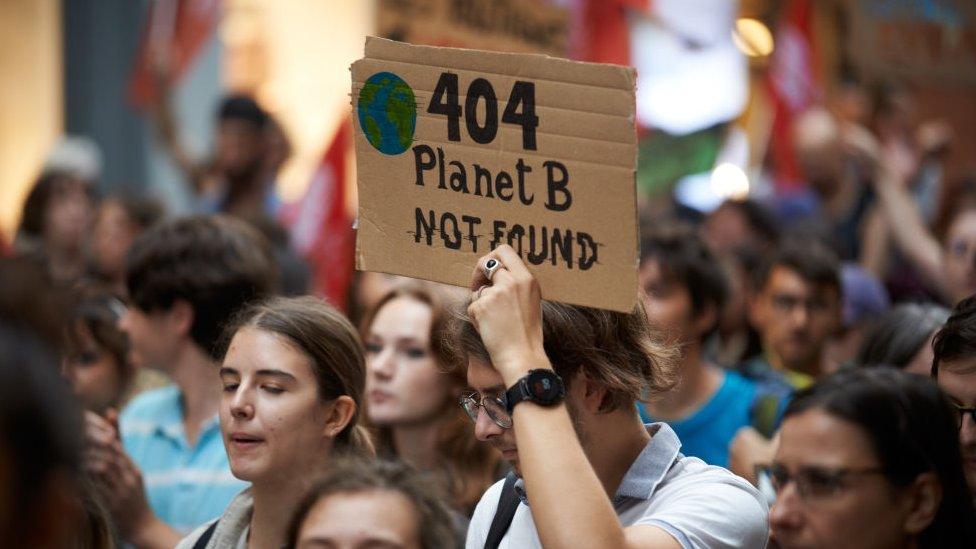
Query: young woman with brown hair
point(292, 378)
point(412, 401)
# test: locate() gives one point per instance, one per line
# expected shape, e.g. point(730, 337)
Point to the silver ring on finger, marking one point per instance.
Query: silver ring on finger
point(491, 266)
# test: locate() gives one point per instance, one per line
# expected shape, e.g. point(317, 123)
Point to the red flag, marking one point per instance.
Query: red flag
point(793, 85)
point(321, 230)
point(602, 32)
point(178, 30)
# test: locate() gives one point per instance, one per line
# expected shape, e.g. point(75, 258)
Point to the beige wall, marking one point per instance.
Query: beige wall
point(295, 56)
point(30, 98)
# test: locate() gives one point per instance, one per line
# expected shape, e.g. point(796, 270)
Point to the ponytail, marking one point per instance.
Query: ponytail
point(358, 442)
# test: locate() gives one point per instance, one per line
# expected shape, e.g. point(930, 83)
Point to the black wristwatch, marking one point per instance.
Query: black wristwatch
point(543, 387)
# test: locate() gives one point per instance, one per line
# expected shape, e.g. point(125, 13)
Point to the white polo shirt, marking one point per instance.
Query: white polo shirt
point(701, 505)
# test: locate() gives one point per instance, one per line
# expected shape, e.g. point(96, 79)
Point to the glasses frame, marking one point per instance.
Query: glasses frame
point(478, 401)
point(962, 412)
point(803, 485)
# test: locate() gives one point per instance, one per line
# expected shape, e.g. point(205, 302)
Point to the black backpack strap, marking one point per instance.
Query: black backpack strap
point(204, 538)
point(508, 502)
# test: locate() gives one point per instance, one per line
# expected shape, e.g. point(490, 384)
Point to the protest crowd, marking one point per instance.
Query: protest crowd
point(798, 369)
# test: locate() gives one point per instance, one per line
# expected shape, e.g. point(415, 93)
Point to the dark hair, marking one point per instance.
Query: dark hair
point(97, 310)
point(684, 258)
point(616, 350)
point(957, 339)
point(142, 212)
point(242, 107)
point(329, 341)
point(40, 430)
point(34, 214)
point(760, 218)
point(900, 334)
point(29, 297)
point(912, 428)
point(813, 261)
point(434, 523)
point(470, 465)
point(215, 263)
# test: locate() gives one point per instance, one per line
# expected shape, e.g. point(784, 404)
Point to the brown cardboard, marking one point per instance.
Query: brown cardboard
point(585, 125)
point(497, 25)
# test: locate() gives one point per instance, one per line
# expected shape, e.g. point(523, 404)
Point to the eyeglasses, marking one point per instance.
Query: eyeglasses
point(787, 303)
point(815, 482)
point(961, 412)
point(495, 407)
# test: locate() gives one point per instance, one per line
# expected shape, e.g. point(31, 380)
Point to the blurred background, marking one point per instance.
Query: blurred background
point(127, 94)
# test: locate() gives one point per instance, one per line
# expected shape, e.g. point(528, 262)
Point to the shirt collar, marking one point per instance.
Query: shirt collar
point(651, 465)
point(647, 471)
point(169, 419)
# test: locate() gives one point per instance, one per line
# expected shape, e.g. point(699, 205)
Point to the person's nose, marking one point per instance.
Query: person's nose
point(967, 431)
point(382, 364)
point(67, 371)
point(241, 404)
point(800, 315)
point(125, 321)
point(786, 512)
point(485, 428)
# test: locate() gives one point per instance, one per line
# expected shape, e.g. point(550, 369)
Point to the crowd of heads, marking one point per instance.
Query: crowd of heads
point(839, 385)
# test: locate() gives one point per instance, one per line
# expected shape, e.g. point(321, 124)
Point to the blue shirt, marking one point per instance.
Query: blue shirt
point(186, 486)
point(707, 433)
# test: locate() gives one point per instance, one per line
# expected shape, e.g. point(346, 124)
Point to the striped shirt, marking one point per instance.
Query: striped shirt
point(186, 486)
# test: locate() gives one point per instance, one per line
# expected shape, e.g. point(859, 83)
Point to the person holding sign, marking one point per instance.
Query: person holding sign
point(556, 387)
point(460, 151)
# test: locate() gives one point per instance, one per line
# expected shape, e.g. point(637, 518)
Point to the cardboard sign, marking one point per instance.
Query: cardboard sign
point(458, 151)
point(499, 25)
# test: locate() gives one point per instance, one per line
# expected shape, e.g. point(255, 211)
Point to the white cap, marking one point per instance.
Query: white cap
point(77, 155)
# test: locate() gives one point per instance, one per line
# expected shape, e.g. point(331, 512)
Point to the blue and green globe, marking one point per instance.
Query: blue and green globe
point(387, 112)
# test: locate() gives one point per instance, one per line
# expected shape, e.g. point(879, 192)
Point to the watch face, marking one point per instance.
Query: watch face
point(544, 387)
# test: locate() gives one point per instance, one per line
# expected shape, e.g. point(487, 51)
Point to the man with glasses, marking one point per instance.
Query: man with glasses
point(555, 392)
point(868, 458)
point(954, 368)
point(796, 308)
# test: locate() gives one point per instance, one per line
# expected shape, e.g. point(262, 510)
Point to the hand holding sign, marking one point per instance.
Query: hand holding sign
point(462, 151)
point(507, 312)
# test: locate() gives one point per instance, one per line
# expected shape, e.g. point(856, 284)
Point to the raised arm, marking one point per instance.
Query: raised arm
point(570, 505)
point(166, 126)
point(905, 223)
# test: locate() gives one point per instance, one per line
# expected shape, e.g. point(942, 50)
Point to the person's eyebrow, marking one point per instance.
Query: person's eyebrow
point(316, 542)
point(224, 370)
point(270, 372)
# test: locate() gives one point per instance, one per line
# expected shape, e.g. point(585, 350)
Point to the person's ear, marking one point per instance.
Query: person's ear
point(181, 317)
point(338, 414)
point(922, 501)
point(590, 394)
point(705, 319)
